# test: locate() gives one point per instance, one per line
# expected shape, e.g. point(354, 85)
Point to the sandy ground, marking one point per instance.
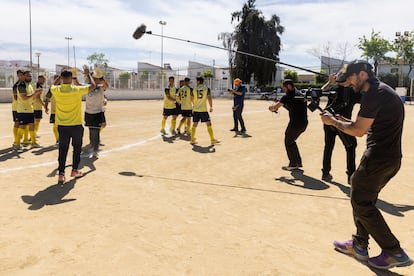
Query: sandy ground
point(158, 206)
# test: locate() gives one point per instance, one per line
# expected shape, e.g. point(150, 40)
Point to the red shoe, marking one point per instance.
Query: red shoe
point(61, 179)
point(76, 174)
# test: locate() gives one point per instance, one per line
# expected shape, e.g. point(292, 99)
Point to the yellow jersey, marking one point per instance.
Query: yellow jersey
point(200, 95)
point(172, 92)
point(185, 96)
point(24, 105)
point(68, 103)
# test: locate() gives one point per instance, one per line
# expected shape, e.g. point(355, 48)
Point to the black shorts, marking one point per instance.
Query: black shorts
point(170, 112)
point(201, 116)
point(103, 117)
point(38, 114)
point(14, 113)
point(25, 118)
point(187, 113)
point(52, 118)
point(93, 120)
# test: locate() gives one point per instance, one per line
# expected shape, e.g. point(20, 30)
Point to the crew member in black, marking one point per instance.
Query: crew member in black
point(341, 103)
point(295, 102)
point(381, 118)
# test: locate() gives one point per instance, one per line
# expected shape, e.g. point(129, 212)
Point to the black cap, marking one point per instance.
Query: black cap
point(288, 81)
point(354, 67)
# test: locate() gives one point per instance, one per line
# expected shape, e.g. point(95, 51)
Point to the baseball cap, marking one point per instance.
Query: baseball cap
point(288, 81)
point(354, 67)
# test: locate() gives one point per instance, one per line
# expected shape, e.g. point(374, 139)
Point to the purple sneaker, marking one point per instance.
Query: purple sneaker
point(349, 248)
point(386, 260)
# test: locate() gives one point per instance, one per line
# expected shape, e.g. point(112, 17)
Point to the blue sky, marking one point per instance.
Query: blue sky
point(106, 26)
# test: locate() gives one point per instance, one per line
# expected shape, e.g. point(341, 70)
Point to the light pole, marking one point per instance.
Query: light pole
point(30, 33)
point(38, 64)
point(401, 38)
point(68, 38)
point(163, 23)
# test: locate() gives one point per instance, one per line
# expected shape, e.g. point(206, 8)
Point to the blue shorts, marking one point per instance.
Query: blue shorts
point(201, 116)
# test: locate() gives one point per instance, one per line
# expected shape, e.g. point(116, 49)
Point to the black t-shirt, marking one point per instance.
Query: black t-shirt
point(295, 102)
point(384, 105)
point(343, 101)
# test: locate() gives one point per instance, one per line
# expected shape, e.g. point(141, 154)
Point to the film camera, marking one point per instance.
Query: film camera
point(313, 96)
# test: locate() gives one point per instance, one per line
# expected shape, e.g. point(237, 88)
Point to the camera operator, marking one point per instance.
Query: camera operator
point(381, 118)
point(297, 124)
point(238, 104)
point(342, 103)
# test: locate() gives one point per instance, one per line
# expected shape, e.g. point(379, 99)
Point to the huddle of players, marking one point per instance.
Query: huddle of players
point(27, 108)
point(190, 103)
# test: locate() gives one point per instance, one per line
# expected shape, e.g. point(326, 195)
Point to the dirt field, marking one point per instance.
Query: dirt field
point(158, 206)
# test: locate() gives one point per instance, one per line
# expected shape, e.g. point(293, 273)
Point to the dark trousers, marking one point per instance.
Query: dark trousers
point(291, 135)
point(94, 137)
point(237, 117)
point(66, 133)
point(367, 181)
point(350, 144)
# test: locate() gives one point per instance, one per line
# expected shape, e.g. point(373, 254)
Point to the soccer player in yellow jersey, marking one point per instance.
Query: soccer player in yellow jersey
point(20, 78)
point(200, 95)
point(38, 104)
point(50, 99)
point(69, 120)
point(186, 106)
point(25, 96)
point(170, 106)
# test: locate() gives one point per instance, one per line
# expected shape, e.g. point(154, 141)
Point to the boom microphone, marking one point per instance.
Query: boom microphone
point(140, 31)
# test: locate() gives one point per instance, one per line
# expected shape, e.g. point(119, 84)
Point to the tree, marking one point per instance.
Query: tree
point(374, 48)
point(208, 74)
point(228, 43)
point(256, 35)
point(290, 74)
point(98, 60)
point(124, 78)
point(404, 47)
point(321, 78)
point(339, 51)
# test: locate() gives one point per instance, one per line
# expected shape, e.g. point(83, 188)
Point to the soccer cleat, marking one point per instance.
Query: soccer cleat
point(17, 147)
point(35, 146)
point(349, 248)
point(215, 141)
point(290, 168)
point(243, 130)
point(178, 131)
point(173, 132)
point(25, 143)
point(234, 129)
point(387, 260)
point(61, 179)
point(163, 132)
point(193, 142)
point(76, 174)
